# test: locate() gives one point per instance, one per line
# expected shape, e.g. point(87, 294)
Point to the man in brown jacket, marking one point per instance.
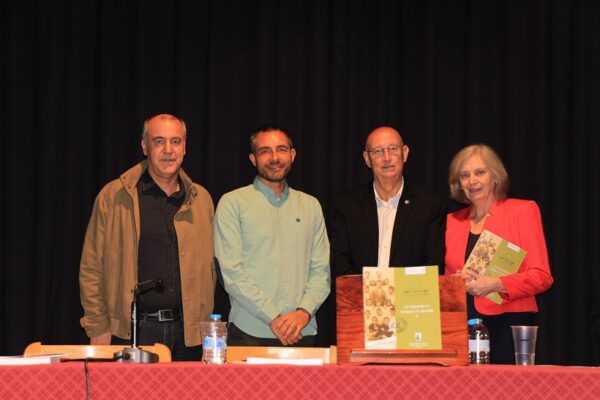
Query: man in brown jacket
point(152, 224)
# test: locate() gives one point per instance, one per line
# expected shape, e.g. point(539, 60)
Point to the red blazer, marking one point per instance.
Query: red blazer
point(519, 222)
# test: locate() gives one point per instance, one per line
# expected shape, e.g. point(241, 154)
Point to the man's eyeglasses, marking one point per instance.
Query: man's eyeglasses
point(393, 150)
point(263, 151)
point(478, 173)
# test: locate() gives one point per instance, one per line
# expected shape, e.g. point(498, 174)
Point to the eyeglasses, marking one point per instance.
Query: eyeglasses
point(478, 173)
point(393, 150)
point(263, 151)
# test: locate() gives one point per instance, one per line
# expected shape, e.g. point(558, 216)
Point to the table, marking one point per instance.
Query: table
point(187, 380)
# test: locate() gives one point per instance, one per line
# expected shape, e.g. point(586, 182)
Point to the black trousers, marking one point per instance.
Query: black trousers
point(168, 333)
point(237, 337)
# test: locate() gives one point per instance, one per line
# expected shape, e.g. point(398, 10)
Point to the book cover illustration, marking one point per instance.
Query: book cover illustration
point(379, 308)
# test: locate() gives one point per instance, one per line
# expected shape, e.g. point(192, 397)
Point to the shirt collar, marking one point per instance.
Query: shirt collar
point(392, 201)
point(269, 194)
point(146, 183)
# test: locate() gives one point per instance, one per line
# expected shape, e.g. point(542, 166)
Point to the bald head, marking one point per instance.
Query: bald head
point(167, 118)
point(385, 132)
point(385, 153)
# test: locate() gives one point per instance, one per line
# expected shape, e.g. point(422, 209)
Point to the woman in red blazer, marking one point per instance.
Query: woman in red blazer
point(478, 178)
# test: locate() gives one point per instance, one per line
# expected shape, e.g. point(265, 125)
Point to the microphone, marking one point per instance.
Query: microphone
point(156, 281)
point(157, 284)
point(134, 354)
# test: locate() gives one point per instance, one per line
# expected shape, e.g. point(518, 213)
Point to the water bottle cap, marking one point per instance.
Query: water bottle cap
point(474, 321)
point(215, 316)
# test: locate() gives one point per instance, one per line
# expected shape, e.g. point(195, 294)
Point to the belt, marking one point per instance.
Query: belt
point(161, 315)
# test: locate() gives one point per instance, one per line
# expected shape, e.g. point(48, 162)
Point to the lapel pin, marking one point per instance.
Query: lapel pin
point(406, 201)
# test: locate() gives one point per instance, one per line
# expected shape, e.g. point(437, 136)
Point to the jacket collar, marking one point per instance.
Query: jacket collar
point(464, 213)
point(495, 206)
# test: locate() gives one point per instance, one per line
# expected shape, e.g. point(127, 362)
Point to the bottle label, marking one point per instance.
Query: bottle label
point(477, 346)
point(214, 343)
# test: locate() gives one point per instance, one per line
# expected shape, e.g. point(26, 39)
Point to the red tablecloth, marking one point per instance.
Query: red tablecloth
point(113, 381)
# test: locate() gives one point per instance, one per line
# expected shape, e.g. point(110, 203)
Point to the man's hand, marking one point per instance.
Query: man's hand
point(101, 339)
point(288, 327)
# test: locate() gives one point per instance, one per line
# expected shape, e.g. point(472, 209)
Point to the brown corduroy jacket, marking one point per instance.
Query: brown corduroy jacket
point(108, 268)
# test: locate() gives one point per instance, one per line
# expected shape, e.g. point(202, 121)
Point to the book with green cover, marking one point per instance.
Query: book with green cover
point(495, 257)
point(402, 308)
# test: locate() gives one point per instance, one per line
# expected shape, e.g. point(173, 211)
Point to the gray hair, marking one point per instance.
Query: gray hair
point(168, 117)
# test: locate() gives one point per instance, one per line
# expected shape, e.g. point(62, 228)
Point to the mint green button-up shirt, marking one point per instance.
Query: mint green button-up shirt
point(274, 255)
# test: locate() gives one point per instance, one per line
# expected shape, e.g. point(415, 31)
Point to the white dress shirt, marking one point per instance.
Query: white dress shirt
point(386, 215)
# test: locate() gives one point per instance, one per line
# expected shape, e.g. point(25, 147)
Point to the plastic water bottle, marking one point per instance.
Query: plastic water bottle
point(214, 340)
point(479, 342)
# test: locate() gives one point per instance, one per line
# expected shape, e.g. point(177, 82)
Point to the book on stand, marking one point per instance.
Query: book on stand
point(402, 308)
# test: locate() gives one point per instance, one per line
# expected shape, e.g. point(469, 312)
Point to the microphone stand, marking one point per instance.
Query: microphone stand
point(135, 354)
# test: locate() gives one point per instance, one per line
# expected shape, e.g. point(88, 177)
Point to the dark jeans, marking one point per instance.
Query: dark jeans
point(237, 337)
point(167, 333)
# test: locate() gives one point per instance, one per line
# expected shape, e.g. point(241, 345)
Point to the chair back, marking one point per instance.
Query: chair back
point(241, 353)
point(80, 351)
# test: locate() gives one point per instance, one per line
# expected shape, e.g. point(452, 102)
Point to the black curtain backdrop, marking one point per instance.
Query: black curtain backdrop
point(78, 78)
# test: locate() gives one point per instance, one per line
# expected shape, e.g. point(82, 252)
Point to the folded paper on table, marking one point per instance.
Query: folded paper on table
point(31, 360)
point(495, 257)
point(288, 361)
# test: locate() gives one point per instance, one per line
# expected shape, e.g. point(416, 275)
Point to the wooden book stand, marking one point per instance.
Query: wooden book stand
point(350, 327)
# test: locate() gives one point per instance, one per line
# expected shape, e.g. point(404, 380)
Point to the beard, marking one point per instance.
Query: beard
point(274, 176)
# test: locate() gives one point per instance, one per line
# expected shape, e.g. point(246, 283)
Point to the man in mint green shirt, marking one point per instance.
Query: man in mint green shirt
point(273, 251)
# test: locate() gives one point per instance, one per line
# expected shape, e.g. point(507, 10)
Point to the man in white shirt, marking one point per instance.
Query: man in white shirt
point(387, 222)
